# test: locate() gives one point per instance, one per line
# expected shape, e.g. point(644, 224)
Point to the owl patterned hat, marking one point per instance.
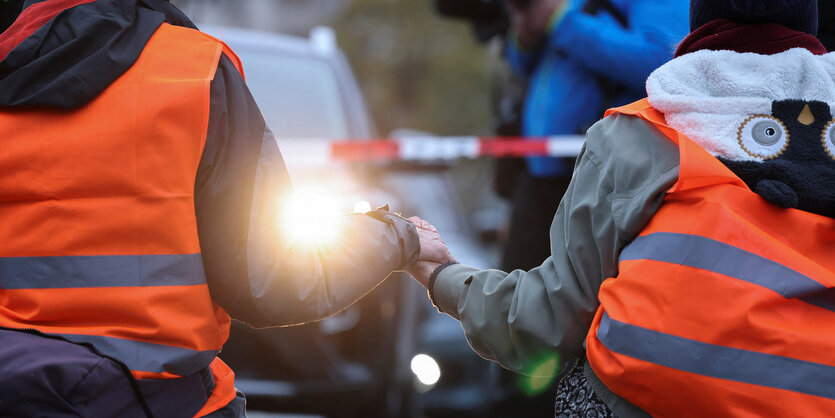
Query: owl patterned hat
point(800, 15)
point(769, 118)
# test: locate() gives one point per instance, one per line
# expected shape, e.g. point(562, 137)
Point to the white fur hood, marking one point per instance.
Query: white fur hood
point(708, 95)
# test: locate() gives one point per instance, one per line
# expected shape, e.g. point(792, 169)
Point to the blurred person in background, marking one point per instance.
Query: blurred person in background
point(691, 269)
point(579, 57)
point(142, 200)
point(489, 21)
point(570, 60)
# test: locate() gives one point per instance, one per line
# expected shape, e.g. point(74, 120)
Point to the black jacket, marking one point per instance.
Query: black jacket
point(252, 270)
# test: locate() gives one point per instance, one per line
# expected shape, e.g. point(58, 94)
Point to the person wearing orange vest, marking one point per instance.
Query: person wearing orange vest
point(692, 271)
point(138, 208)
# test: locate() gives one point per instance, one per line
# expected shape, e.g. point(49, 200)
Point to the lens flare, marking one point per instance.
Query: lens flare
point(540, 376)
point(362, 206)
point(312, 217)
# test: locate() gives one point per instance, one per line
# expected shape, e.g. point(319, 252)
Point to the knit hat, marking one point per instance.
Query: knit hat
point(800, 15)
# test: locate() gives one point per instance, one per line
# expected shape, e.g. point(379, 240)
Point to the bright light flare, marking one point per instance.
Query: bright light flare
point(312, 217)
point(426, 369)
point(362, 206)
point(541, 375)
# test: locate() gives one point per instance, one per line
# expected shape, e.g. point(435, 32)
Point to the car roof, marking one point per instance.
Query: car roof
point(241, 39)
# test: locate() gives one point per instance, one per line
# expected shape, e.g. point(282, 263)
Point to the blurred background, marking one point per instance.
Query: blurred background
point(324, 70)
point(416, 71)
point(405, 56)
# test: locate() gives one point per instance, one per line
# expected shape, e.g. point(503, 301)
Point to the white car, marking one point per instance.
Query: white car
point(357, 363)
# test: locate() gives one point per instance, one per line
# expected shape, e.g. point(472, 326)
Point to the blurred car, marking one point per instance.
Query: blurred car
point(358, 362)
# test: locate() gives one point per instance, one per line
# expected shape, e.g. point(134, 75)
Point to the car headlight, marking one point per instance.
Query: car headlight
point(312, 217)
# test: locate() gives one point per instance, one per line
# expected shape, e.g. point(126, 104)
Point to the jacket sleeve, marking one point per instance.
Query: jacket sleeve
point(519, 318)
point(626, 55)
point(521, 61)
point(253, 270)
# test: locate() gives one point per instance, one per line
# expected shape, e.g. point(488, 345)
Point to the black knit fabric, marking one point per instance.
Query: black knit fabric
point(803, 175)
point(801, 15)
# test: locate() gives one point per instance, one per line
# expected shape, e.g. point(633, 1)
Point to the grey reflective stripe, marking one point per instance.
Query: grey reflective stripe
point(717, 361)
point(718, 257)
point(101, 271)
point(148, 357)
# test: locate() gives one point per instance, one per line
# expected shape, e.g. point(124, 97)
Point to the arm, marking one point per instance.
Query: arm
point(625, 55)
point(517, 318)
point(254, 272)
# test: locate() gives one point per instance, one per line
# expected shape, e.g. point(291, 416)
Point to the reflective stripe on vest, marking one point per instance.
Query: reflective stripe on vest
point(724, 304)
point(98, 235)
point(715, 256)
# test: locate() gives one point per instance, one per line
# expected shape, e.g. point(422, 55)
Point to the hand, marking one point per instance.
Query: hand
point(433, 251)
point(432, 246)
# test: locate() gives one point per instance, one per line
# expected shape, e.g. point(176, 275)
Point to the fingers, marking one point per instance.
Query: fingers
point(432, 246)
point(418, 222)
point(422, 224)
point(429, 235)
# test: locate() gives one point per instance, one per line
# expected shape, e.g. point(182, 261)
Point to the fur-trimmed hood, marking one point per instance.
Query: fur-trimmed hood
point(707, 95)
point(768, 118)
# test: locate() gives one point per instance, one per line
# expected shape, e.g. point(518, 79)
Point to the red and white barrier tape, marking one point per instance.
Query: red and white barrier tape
point(307, 151)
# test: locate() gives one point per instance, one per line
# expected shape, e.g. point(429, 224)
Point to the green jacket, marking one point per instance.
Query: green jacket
point(518, 318)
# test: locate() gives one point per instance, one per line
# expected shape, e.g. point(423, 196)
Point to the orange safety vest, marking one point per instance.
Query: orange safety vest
point(724, 303)
point(98, 234)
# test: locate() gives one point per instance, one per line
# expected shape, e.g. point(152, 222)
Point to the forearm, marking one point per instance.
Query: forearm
point(517, 319)
point(254, 269)
point(292, 283)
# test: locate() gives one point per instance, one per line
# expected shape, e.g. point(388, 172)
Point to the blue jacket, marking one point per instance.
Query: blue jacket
point(564, 95)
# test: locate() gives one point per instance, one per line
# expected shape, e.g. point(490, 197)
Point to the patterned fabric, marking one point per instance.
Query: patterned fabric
point(575, 398)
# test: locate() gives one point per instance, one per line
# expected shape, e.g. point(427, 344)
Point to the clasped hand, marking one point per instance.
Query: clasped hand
point(433, 251)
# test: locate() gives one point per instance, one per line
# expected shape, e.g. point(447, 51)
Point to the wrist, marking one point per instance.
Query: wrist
point(430, 284)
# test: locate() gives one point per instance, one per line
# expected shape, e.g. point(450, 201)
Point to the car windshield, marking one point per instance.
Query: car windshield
point(298, 95)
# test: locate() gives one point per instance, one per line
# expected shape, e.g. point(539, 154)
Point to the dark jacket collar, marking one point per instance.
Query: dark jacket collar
point(63, 53)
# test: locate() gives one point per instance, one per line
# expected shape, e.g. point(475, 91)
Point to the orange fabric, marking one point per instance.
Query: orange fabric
point(231, 54)
point(149, 375)
point(224, 388)
point(666, 392)
point(710, 201)
point(698, 168)
point(122, 194)
point(116, 177)
point(182, 316)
